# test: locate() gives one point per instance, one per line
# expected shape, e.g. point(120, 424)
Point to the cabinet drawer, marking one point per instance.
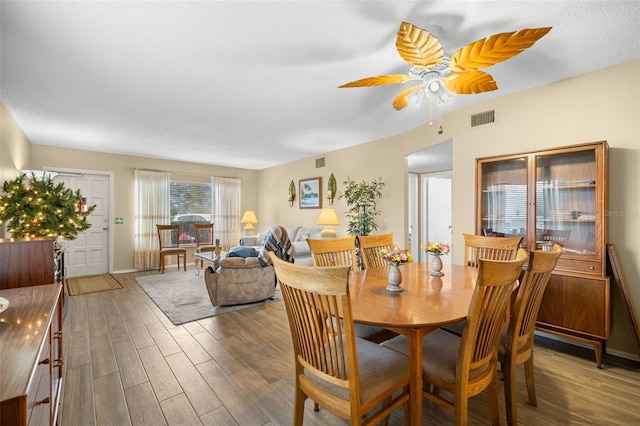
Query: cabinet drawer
point(40, 388)
point(577, 265)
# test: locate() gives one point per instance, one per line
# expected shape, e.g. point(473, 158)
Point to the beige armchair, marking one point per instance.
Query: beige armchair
point(239, 280)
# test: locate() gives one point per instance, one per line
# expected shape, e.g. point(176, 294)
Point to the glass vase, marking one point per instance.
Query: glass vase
point(395, 278)
point(436, 266)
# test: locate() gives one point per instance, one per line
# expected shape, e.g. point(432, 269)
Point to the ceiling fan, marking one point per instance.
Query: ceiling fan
point(441, 76)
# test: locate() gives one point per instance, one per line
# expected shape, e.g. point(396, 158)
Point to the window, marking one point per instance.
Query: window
point(190, 203)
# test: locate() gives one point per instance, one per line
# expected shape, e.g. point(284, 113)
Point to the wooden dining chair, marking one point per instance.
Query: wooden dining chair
point(370, 246)
point(342, 252)
point(466, 365)
point(492, 248)
point(353, 378)
point(204, 238)
point(516, 344)
point(333, 251)
point(483, 247)
point(169, 240)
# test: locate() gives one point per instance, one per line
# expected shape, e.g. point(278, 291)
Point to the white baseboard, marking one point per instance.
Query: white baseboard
point(124, 271)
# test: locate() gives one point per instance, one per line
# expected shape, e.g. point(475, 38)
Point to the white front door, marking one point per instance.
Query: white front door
point(88, 254)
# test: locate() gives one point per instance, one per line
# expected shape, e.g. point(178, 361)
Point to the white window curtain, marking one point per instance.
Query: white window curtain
point(152, 207)
point(226, 210)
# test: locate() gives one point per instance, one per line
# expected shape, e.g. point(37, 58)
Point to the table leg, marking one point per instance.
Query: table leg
point(197, 261)
point(415, 379)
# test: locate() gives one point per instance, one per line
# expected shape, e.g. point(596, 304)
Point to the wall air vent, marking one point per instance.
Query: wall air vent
point(483, 118)
point(319, 162)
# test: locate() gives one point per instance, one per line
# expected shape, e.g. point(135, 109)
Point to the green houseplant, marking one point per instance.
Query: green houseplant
point(39, 207)
point(361, 200)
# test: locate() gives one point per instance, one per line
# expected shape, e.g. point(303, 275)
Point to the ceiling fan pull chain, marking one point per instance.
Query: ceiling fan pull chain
point(430, 123)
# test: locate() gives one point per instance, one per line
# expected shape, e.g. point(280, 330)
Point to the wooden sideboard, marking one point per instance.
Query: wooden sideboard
point(31, 354)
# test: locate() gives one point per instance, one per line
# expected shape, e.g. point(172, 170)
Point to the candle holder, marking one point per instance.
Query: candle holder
point(292, 194)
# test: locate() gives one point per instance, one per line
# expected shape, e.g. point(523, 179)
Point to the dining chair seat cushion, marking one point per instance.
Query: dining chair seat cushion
point(173, 250)
point(455, 327)
point(439, 354)
point(379, 368)
point(205, 248)
point(371, 332)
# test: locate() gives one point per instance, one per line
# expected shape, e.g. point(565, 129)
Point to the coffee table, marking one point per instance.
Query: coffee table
point(208, 256)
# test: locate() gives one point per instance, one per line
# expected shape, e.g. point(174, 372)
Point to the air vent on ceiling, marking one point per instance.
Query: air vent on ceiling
point(319, 162)
point(483, 118)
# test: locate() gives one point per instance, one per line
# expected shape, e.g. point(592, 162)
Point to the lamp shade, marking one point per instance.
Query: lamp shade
point(328, 217)
point(249, 218)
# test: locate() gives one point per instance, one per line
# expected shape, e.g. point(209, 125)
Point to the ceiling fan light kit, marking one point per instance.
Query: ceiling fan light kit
point(439, 77)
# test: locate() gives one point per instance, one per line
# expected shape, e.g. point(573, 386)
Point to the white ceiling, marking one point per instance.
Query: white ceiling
point(254, 84)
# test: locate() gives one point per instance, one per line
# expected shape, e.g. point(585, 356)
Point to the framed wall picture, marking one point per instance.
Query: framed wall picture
point(311, 193)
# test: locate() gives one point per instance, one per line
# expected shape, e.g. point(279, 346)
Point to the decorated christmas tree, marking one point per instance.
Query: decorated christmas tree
point(39, 207)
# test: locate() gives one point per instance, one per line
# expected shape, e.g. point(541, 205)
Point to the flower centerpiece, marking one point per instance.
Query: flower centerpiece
point(395, 257)
point(436, 249)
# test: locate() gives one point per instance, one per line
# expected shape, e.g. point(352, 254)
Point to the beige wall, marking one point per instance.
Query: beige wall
point(603, 105)
point(14, 149)
point(123, 167)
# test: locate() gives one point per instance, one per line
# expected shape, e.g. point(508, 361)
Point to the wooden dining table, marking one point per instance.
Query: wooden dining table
point(425, 304)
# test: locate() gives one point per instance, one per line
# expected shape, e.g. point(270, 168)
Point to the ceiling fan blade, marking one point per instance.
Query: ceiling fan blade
point(497, 48)
point(378, 81)
point(469, 82)
point(401, 100)
point(418, 47)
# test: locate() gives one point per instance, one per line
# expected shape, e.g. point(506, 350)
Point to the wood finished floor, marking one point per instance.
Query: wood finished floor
point(126, 363)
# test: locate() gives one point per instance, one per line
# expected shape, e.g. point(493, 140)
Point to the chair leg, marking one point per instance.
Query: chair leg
point(460, 409)
point(494, 414)
point(298, 411)
point(161, 266)
point(510, 388)
point(184, 263)
point(531, 384)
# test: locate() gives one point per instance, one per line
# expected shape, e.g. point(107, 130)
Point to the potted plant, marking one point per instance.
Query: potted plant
point(38, 207)
point(361, 200)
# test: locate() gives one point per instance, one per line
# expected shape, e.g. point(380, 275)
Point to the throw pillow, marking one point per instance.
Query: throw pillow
point(242, 251)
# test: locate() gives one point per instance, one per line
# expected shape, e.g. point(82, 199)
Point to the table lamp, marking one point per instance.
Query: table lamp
point(328, 217)
point(249, 219)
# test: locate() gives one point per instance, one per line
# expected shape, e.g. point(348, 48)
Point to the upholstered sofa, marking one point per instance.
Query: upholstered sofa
point(298, 236)
point(239, 280)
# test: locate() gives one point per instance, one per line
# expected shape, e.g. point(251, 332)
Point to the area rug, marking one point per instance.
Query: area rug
point(183, 297)
point(91, 284)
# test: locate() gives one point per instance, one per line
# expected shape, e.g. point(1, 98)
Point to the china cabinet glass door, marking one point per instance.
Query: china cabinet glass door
point(566, 202)
point(503, 201)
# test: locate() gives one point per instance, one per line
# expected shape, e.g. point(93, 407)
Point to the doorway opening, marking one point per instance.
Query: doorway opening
point(429, 203)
